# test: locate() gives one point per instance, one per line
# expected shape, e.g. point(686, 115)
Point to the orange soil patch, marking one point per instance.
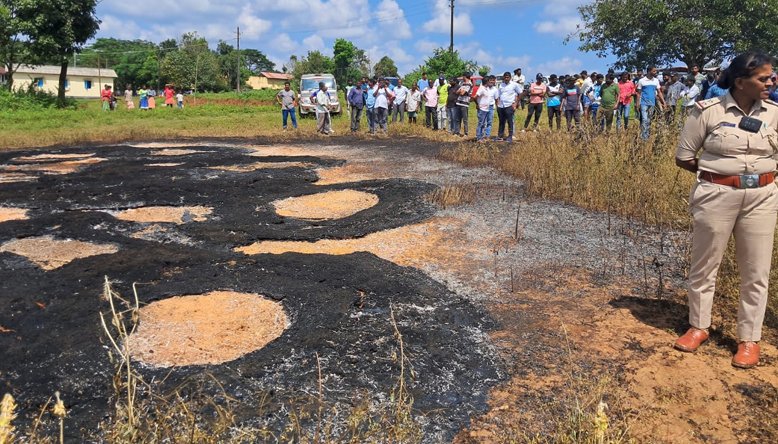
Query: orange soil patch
point(422, 245)
point(176, 215)
point(16, 177)
point(48, 157)
point(347, 173)
point(211, 328)
point(260, 166)
point(328, 205)
point(64, 167)
point(175, 152)
point(165, 164)
point(9, 214)
point(49, 253)
point(286, 150)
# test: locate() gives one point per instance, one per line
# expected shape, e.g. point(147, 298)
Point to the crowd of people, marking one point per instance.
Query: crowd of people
point(147, 98)
point(604, 99)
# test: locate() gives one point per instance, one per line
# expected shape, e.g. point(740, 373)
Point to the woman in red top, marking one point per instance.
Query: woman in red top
point(169, 97)
point(626, 91)
point(537, 94)
point(105, 96)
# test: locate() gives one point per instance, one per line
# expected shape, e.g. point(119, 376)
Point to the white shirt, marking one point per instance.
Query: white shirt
point(180, 97)
point(322, 101)
point(381, 100)
point(485, 97)
point(400, 93)
point(507, 92)
point(519, 79)
point(690, 95)
point(413, 101)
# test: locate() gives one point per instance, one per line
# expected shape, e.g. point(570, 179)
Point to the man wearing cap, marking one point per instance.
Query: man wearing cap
point(462, 104)
point(508, 93)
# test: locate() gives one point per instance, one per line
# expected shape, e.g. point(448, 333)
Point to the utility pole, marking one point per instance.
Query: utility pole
point(238, 52)
point(451, 45)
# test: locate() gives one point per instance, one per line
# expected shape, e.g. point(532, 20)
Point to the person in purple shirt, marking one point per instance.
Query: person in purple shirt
point(356, 101)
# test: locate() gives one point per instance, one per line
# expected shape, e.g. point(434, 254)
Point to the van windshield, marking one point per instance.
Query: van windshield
point(309, 84)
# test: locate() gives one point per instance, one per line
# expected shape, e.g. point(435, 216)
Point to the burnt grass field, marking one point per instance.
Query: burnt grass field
point(338, 306)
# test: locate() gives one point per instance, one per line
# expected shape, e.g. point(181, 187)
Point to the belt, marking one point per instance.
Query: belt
point(743, 181)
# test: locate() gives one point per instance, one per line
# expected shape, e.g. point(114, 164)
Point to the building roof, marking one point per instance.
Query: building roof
point(276, 75)
point(50, 69)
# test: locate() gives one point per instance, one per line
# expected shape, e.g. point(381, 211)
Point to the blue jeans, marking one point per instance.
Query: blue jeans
point(371, 120)
point(647, 111)
point(457, 113)
point(289, 113)
point(622, 113)
point(485, 119)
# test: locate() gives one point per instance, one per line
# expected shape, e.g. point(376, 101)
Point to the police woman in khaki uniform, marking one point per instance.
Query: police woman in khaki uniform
point(735, 137)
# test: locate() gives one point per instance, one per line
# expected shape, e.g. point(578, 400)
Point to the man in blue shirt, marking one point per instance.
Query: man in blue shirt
point(370, 105)
point(649, 94)
point(356, 101)
point(423, 83)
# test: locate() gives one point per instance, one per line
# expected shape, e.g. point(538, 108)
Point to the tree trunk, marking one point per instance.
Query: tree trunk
point(63, 75)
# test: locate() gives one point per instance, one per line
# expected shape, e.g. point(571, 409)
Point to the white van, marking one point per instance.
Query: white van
point(309, 84)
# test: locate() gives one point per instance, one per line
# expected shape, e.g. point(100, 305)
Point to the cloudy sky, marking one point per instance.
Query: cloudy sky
point(503, 34)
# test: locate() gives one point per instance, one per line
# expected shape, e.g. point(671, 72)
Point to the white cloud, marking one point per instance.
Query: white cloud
point(493, 58)
point(251, 25)
point(441, 20)
point(313, 43)
point(565, 65)
point(283, 43)
point(391, 19)
point(426, 46)
point(562, 26)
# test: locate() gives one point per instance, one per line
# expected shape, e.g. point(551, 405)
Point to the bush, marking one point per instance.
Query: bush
point(30, 99)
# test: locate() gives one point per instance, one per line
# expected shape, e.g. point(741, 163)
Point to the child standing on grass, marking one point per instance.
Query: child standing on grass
point(180, 100)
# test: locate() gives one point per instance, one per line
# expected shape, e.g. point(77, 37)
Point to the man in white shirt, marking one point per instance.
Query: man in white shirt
point(508, 94)
point(323, 105)
point(382, 95)
point(485, 98)
point(400, 96)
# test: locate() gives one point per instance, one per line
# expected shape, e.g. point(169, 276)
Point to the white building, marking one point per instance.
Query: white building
point(80, 82)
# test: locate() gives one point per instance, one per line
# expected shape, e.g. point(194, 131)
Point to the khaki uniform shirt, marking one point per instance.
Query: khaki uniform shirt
point(712, 128)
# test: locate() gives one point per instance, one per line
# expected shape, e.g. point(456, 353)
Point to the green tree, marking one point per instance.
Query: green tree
point(385, 68)
point(647, 32)
point(136, 62)
point(13, 49)
point(445, 62)
point(252, 62)
point(256, 61)
point(57, 30)
point(314, 62)
point(193, 65)
point(350, 62)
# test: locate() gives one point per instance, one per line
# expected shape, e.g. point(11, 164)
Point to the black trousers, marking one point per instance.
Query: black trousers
point(505, 115)
point(536, 109)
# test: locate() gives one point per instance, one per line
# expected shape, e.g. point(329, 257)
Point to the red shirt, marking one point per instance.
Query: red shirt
point(169, 94)
point(106, 94)
point(626, 91)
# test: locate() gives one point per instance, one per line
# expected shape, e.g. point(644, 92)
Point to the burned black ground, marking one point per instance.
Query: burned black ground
point(55, 343)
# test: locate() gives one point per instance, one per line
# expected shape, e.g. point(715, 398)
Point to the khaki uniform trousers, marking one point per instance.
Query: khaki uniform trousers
point(719, 211)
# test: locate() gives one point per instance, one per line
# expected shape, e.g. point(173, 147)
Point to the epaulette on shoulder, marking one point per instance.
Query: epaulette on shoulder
point(704, 104)
point(771, 102)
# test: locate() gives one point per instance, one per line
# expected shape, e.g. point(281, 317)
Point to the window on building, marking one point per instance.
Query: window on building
point(87, 85)
point(67, 84)
point(38, 81)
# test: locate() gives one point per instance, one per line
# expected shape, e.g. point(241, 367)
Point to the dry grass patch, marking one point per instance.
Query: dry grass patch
point(8, 214)
point(328, 205)
point(175, 152)
point(64, 167)
point(246, 168)
point(50, 253)
point(176, 215)
point(452, 195)
point(6, 177)
point(211, 328)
